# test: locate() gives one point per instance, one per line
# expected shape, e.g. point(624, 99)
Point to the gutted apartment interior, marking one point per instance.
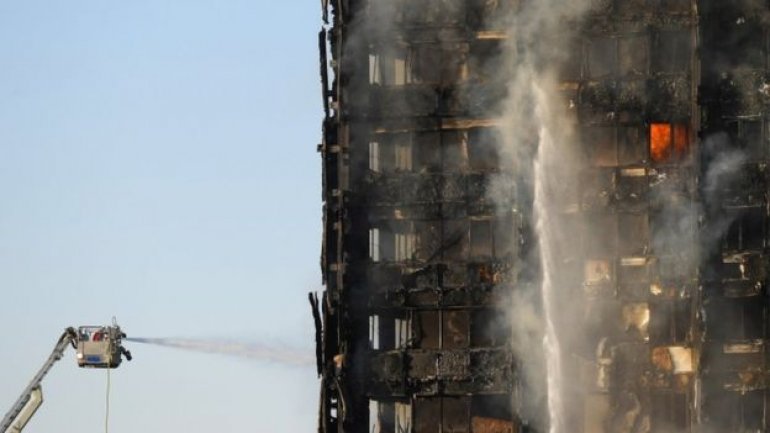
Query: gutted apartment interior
point(670, 101)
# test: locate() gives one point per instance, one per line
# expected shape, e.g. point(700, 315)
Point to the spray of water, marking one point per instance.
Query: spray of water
point(255, 351)
point(537, 116)
point(544, 227)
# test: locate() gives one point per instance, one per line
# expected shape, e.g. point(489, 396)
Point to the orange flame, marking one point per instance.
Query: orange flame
point(660, 141)
point(668, 141)
point(681, 140)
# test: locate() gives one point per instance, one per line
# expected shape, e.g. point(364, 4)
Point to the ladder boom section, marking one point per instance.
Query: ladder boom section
point(68, 338)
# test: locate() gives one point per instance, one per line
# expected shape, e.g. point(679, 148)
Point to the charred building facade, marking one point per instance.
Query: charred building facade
point(544, 216)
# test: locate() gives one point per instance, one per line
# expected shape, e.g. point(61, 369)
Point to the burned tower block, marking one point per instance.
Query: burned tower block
point(430, 233)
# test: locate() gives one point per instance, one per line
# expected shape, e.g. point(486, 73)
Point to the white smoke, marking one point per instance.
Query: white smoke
point(723, 168)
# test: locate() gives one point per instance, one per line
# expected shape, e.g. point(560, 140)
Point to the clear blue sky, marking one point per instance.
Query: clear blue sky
point(157, 163)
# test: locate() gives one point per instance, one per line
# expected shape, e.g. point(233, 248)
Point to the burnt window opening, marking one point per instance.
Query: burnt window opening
point(437, 64)
point(735, 319)
point(429, 240)
point(732, 270)
point(403, 330)
point(404, 241)
point(390, 330)
point(455, 148)
point(431, 151)
point(442, 329)
point(393, 241)
point(483, 274)
point(442, 415)
point(387, 331)
point(454, 65)
point(602, 57)
point(669, 142)
point(390, 67)
point(489, 328)
point(625, 56)
point(632, 186)
point(670, 271)
point(427, 327)
point(752, 139)
point(381, 417)
point(485, 14)
point(374, 332)
point(483, 149)
point(572, 67)
point(427, 415)
point(428, 153)
point(374, 156)
point(405, 246)
point(480, 240)
point(734, 412)
point(750, 46)
point(602, 142)
point(374, 244)
point(455, 245)
point(631, 148)
point(671, 52)
point(670, 322)
point(431, 13)
point(391, 152)
point(597, 272)
point(672, 360)
point(492, 413)
point(375, 75)
point(602, 243)
point(742, 267)
point(673, 228)
point(748, 137)
point(742, 46)
point(595, 188)
point(613, 146)
point(633, 270)
point(403, 414)
point(403, 155)
point(481, 243)
point(485, 61)
point(636, 320)
point(633, 55)
point(505, 237)
point(633, 275)
point(747, 231)
point(427, 63)
point(455, 326)
point(634, 231)
point(390, 416)
point(669, 411)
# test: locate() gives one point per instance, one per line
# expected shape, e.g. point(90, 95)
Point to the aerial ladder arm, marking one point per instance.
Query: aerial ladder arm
point(32, 397)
